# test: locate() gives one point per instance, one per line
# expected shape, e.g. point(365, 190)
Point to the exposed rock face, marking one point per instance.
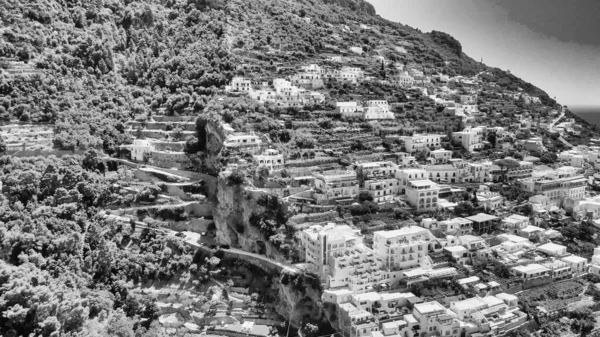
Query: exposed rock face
point(215, 136)
point(298, 301)
point(232, 219)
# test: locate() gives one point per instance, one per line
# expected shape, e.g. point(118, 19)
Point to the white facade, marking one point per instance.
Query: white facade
point(383, 190)
point(423, 195)
point(470, 139)
point(403, 248)
point(336, 184)
point(272, 159)
point(140, 148)
point(421, 142)
point(322, 243)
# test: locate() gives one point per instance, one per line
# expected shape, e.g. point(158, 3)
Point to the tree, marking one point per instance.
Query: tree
point(177, 133)
point(364, 196)
point(548, 158)
point(236, 178)
point(492, 139)
point(191, 145)
point(506, 165)
point(464, 207)
point(326, 124)
point(263, 173)
point(421, 156)
point(2, 145)
point(90, 161)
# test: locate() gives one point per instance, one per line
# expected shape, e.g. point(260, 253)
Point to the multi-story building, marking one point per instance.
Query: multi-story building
point(522, 171)
point(489, 200)
point(357, 269)
point(434, 320)
point(272, 159)
point(350, 110)
point(422, 194)
point(440, 156)
point(407, 175)
point(515, 222)
point(418, 142)
point(403, 79)
point(445, 173)
point(470, 139)
point(355, 322)
point(335, 185)
point(140, 149)
point(245, 142)
point(578, 264)
point(403, 248)
point(378, 110)
point(534, 144)
point(239, 84)
point(322, 243)
point(595, 264)
point(383, 189)
point(483, 223)
point(381, 303)
point(456, 226)
point(382, 169)
point(490, 315)
point(557, 189)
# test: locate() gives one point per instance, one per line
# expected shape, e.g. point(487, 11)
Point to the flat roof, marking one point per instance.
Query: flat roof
point(531, 268)
point(505, 296)
point(401, 231)
point(470, 303)
point(468, 280)
point(482, 217)
point(425, 182)
point(531, 229)
point(516, 217)
point(552, 247)
point(455, 249)
point(574, 259)
point(370, 296)
point(428, 307)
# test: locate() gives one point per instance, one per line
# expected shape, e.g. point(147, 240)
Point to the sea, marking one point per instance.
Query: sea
point(590, 114)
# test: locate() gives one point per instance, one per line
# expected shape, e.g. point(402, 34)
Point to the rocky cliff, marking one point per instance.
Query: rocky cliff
point(232, 216)
point(301, 300)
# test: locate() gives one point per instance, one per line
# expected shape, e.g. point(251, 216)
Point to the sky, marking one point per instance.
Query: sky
point(554, 44)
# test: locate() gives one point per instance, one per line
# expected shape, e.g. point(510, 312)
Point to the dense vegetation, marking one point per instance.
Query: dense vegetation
point(64, 269)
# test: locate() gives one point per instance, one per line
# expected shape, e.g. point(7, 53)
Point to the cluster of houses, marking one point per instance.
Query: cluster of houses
point(365, 279)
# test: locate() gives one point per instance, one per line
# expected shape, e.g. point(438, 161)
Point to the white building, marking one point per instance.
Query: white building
point(378, 110)
point(470, 139)
point(272, 159)
point(595, 265)
point(440, 156)
point(243, 142)
point(383, 189)
point(403, 248)
point(350, 110)
point(422, 194)
point(418, 142)
point(322, 243)
point(332, 185)
point(140, 149)
point(239, 84)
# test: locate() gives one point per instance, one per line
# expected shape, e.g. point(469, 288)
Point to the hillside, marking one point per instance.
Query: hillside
point(89, 69)
point(103, 62)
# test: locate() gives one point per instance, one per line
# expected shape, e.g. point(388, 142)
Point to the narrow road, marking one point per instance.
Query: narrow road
point(180, 204)
point(193, 241)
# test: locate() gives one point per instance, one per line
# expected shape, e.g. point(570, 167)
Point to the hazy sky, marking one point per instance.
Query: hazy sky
point(554, 44)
